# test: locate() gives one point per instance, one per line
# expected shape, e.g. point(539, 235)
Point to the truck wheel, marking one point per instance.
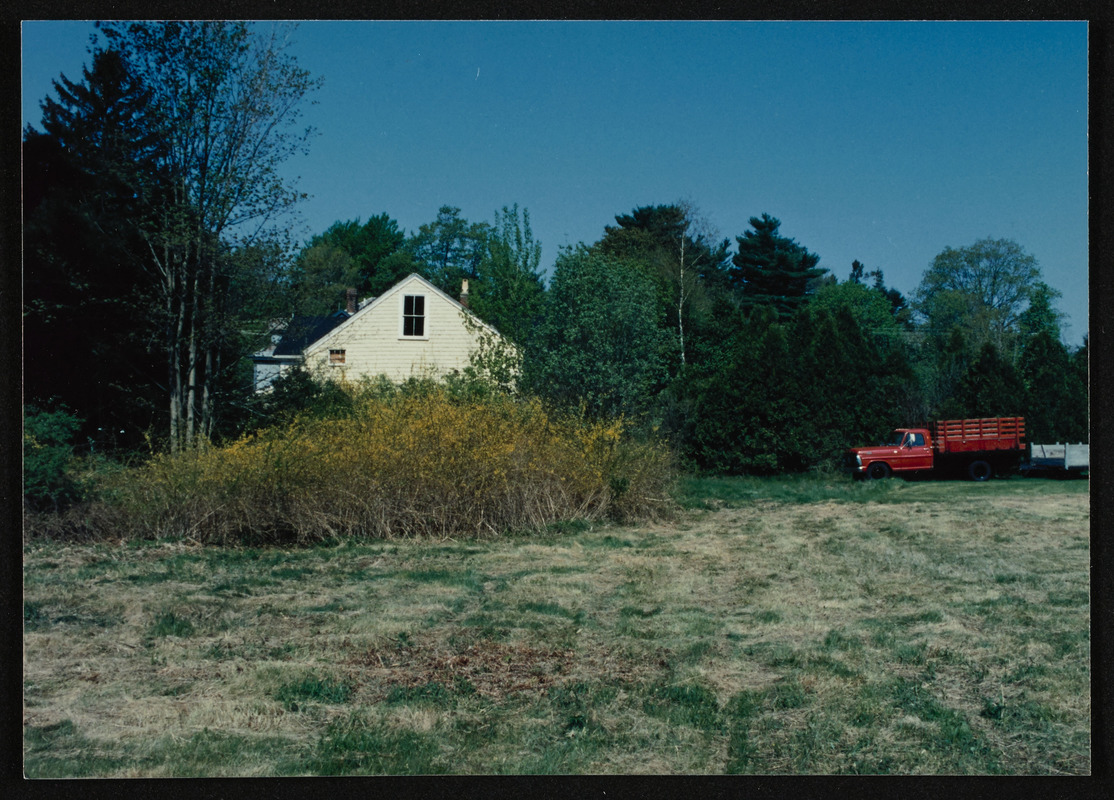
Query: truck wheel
point(878, 471)
point(979, 471)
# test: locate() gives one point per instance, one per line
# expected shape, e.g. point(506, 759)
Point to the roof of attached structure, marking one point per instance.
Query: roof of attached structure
point(303, 330)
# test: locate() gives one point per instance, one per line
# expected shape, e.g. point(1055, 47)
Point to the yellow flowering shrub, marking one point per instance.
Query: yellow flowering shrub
point(420, 462)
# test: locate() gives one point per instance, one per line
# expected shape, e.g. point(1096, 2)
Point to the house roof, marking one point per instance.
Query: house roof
point(302, 330)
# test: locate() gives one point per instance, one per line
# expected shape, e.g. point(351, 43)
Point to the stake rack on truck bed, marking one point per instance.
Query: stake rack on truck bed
point(979, 435)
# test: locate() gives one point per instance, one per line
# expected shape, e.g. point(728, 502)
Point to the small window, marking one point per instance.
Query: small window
point(916, 440)
point(336, 356)
point(413, 315)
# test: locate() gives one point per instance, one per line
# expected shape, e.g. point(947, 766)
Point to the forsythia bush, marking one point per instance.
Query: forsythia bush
point(409, 463)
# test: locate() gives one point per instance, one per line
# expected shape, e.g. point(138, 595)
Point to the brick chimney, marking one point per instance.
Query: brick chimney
point(464, 293)
point(351, 302)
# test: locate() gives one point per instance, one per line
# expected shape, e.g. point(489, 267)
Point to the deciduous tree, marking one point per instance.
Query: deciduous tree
point(983, 289)
point(509, 293)
point(450, 249)
point(224, 99)
point(367, 245)
point(599, 343)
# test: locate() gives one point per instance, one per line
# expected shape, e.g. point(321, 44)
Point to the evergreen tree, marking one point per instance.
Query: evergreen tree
point(1056, 400)
point(773, 270)
point(739, 403)
point(87, 296)
point(1040, 316)
point(991, 387)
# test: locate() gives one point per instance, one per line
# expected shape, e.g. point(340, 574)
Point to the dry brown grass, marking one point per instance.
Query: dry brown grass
point(912, 637)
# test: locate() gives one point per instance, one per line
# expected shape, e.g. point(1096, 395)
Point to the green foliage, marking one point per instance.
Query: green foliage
point(600, 344)
point(735, 422)
point(981, 289)
point(1040, 316)
point(871, 309)
point(48, 480)
point(299, 392)
point(493, 367)
point(509, 294)
point(87, 306)
point(981, 307)
point(348, 254)
point(848, 391)
point(794, 394)
point(990, 387)
point(676, 251)
point(322, 273)
point(1055, 395)
point(223, 108)
point(449, 250)
point(773, 270)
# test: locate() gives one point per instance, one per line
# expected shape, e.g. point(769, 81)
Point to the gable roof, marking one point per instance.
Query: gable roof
point(366, 309)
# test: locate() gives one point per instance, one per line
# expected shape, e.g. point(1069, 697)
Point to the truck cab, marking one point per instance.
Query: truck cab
point(907, 450)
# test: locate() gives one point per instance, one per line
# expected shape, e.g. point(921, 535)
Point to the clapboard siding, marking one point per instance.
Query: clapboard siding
point(373, 343)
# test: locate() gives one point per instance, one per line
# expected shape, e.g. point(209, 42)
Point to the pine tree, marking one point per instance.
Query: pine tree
point(773, 270)
point(86, 301)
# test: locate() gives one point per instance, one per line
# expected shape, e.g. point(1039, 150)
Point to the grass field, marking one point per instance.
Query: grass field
point(771, 626)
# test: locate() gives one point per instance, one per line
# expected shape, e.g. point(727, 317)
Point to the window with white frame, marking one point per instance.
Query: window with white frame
point(336, 356)
point(413, 315)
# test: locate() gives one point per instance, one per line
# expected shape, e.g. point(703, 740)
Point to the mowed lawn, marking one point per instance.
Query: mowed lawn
point(785, 626)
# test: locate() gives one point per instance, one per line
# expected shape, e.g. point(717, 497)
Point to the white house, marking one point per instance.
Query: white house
point(413, 329)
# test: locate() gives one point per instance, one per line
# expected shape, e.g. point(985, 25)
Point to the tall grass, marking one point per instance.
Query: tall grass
point(420, 462)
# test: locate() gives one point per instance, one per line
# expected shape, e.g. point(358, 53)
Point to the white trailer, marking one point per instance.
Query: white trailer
point(1063, 458)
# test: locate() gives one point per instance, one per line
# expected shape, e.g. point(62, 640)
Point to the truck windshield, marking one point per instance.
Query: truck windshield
point(895, 440)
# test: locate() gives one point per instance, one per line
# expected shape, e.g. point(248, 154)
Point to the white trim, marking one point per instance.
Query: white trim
point(424, 337)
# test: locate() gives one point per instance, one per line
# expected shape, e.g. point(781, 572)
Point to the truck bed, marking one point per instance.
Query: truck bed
point(979, 435)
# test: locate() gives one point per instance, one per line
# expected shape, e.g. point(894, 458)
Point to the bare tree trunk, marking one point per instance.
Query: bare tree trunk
point(681, 302)
point(212, 366)
point(179, 438)
point(172, 339)
point(191, 384)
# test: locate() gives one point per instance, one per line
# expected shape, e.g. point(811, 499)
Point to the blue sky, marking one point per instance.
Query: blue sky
point(877, 141)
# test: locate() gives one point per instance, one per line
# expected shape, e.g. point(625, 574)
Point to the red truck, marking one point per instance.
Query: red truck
point(977, 448)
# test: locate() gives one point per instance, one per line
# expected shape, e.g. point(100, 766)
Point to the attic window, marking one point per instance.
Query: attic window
point(413, 315)
point(336, 356)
